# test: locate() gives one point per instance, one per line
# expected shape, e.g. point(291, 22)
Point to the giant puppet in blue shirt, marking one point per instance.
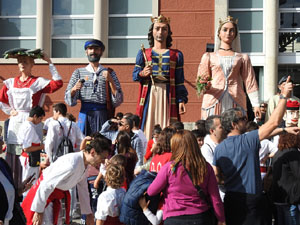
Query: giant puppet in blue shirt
point(161, 94)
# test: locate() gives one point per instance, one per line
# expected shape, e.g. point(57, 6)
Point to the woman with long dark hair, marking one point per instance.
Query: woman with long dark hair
point(162, 149)
point(179, 180)
point(123, 146)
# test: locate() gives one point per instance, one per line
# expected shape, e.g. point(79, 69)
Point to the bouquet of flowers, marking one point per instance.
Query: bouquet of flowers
point(203, 83)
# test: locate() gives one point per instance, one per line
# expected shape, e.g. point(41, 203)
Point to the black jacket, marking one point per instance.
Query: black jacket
point(18, 215)
point(286, 176)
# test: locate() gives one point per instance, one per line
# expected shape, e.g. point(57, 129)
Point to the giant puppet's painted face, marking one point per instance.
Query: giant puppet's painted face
point(291, 116)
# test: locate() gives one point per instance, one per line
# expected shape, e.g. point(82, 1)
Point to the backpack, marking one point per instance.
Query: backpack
point(65, 146)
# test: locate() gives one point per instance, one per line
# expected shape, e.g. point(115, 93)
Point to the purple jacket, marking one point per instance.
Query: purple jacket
point(181, 196)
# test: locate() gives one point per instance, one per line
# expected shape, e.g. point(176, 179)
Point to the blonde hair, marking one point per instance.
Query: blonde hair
point(115, 175)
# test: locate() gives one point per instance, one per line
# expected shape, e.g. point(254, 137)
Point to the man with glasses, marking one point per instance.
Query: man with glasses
point(98, 89)
point(125, 124)
point(236, 161)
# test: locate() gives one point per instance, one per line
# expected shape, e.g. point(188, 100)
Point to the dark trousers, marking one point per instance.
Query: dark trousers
point(197, 219)
point(245, 209)
point(95, 120)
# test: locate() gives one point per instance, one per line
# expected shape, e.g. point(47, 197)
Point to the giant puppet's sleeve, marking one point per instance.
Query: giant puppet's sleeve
point(181, 92)
point(4, 103)
point(54, 84)
point(139, 66)
point(204, 66)
point(248, 75)
point(72, 101)
point(118, 98)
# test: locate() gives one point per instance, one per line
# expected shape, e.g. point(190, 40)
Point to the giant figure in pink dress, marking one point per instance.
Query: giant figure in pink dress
point(227, 72)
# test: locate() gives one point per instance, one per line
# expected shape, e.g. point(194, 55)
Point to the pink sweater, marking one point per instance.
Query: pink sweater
point(181, 196)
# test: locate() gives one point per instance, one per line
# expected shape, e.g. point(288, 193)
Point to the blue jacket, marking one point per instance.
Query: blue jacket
point(131, 212)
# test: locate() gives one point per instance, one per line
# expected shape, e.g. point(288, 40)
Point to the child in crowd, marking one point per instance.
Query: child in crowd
point(109, 202)
point(31, 144)
point(155, 134)
point(199, 135)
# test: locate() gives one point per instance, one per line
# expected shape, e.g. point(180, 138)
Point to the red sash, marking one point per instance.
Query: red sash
point(174, 115)
point(112, 221)
point(24, 154)
point(55, 198)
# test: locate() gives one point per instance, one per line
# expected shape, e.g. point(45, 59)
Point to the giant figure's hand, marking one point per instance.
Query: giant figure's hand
point(77, 86)
point(37, 218)
point(147, 71)
point(182, 108)
point(107, 76)
point(47, 58)
point(257, 112)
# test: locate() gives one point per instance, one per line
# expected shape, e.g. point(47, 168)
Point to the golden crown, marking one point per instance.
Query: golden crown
point(160, 19)
point(227, 20)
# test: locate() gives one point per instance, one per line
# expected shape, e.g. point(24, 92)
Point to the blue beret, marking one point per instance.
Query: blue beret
point(94, 42)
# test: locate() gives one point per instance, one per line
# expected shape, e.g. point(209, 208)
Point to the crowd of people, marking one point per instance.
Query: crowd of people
point(144, 167)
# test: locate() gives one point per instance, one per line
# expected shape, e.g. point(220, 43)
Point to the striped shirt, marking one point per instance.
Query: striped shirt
point(94, 88)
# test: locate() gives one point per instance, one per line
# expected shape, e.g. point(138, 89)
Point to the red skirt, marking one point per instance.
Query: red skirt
point(112, 221)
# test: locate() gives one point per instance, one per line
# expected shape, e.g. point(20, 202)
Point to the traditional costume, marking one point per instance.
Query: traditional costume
point(65, 173)
point(158, 101)
point(28, 137)
point(21, 97)
point(229, 74)
point(53, 206)
point(97, 101)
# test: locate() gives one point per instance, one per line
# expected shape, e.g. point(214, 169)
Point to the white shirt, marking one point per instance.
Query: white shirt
point(10, 194)
point(142, 136)
point(109, 203)
point(208, 149)
point(27, 134)
point(65, 173)
point(55, 135)
point(46, 123)
point(154, 219)
point(266, 147)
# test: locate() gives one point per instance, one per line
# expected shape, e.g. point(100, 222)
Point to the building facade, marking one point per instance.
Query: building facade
point(268, 33)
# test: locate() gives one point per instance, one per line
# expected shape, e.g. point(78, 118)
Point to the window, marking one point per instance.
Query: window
point(250, 22)
point(129, 21)
point(72, 25)
point(18, 24)
point(289, 26)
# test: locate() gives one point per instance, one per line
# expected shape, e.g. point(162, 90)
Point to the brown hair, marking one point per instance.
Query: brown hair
point(123, 143)
point(151, 38)
point(114, 176)
point(118, 159)
point(163, 142)
point(288, 141)
point(185, 149)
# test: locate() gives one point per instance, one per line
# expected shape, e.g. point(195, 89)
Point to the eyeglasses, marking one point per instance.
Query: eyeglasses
point(244, 118)
point(121, 124)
